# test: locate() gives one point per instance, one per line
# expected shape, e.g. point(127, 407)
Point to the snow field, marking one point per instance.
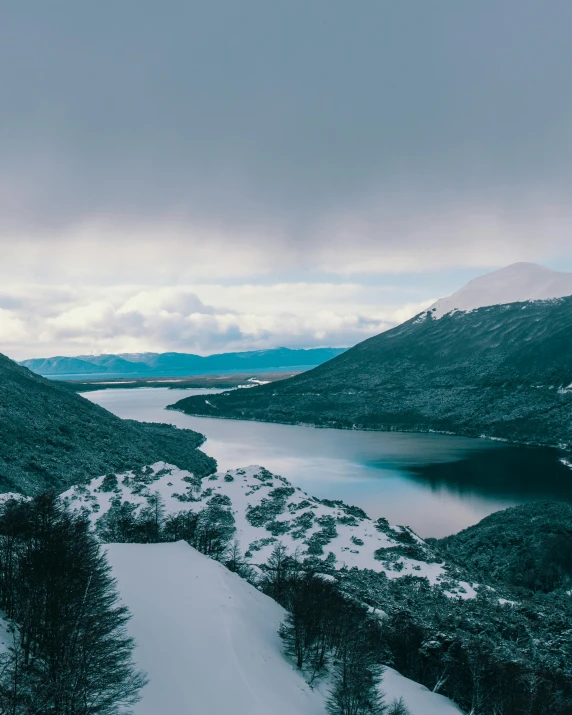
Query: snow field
point(208, 641)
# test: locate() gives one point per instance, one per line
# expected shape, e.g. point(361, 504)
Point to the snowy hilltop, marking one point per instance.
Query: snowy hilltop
point(213, 621)
point(517, 283)
point(257, 510)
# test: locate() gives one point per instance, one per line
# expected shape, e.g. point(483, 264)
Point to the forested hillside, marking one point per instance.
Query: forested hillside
point(527, 546)
point(51, 438)
point(503, 371)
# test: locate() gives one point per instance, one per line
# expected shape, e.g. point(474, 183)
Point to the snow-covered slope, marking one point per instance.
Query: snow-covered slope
point(516, 283)
point(268, 510)
point(208, 641)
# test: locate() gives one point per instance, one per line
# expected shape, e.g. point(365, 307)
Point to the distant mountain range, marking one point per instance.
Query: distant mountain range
point(179, 364)
point(493, 359)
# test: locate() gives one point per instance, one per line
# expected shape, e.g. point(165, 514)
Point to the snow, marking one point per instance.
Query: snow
point(6, 637)
point(7, 496)
point(463, 591)
point(206, 638)
point(519, 282)
point(354, 545)
point(419, 699)
point(209, 644)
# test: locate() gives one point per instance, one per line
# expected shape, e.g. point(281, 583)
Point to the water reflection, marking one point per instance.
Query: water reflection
point(531, 473)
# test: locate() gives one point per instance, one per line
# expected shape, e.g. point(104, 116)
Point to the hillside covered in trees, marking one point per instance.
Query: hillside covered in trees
point(51, 438)
point(503, 370)
point(526, 547)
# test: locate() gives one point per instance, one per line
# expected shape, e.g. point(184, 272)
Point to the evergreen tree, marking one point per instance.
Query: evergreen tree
point(355, 690)
point(71, 653)
point(276, 581)
point(398, 707)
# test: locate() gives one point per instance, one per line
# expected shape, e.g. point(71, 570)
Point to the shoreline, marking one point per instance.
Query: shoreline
point(565, 449)
point(227, 381)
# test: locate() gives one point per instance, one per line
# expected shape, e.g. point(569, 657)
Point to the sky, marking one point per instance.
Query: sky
point(213, 176)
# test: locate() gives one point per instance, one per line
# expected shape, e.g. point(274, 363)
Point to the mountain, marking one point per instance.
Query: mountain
point(501, 370)
point(209, 641)
point(517, 283)
point(62, 365)
point(51, 438)
point(528, 546)
point(178, 364)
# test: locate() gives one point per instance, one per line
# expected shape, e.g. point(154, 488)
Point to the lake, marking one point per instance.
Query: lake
point(437, 484)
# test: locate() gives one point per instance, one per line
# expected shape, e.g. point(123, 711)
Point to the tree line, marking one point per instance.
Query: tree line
point(489, 658)
point(210, 530)
point(327, 635)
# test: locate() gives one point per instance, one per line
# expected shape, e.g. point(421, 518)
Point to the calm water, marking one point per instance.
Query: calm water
point(434, 483)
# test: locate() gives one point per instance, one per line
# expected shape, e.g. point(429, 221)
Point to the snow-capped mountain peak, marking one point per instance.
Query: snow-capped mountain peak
point(516, 283)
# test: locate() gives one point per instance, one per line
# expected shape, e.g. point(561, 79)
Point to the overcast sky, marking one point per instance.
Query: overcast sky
point(222, 175)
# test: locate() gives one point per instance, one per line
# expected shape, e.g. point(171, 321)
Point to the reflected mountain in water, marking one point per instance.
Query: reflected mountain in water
point(532, 473)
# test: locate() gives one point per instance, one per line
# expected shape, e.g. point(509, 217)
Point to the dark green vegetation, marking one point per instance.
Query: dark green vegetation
point(502, 371)
point(155, 364)
point(325, 632)
point(209, 530)
point(528, 547)
point(487, 656)
point(224, 382)
point(51, 438)
point(70, 653)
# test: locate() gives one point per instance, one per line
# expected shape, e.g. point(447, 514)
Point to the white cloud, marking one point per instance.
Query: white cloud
point(104, 287)
point(12, 328)
point(211, 318)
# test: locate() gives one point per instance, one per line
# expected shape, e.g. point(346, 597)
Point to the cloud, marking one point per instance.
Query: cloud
point(257, 130)
point(215, 175)
point(165, 319)
point(12, 329)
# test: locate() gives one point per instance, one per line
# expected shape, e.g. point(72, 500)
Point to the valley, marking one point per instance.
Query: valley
point(285, 358)
point(347, 565)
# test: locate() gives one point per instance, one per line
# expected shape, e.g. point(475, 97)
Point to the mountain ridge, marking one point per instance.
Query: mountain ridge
point(179, 364)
